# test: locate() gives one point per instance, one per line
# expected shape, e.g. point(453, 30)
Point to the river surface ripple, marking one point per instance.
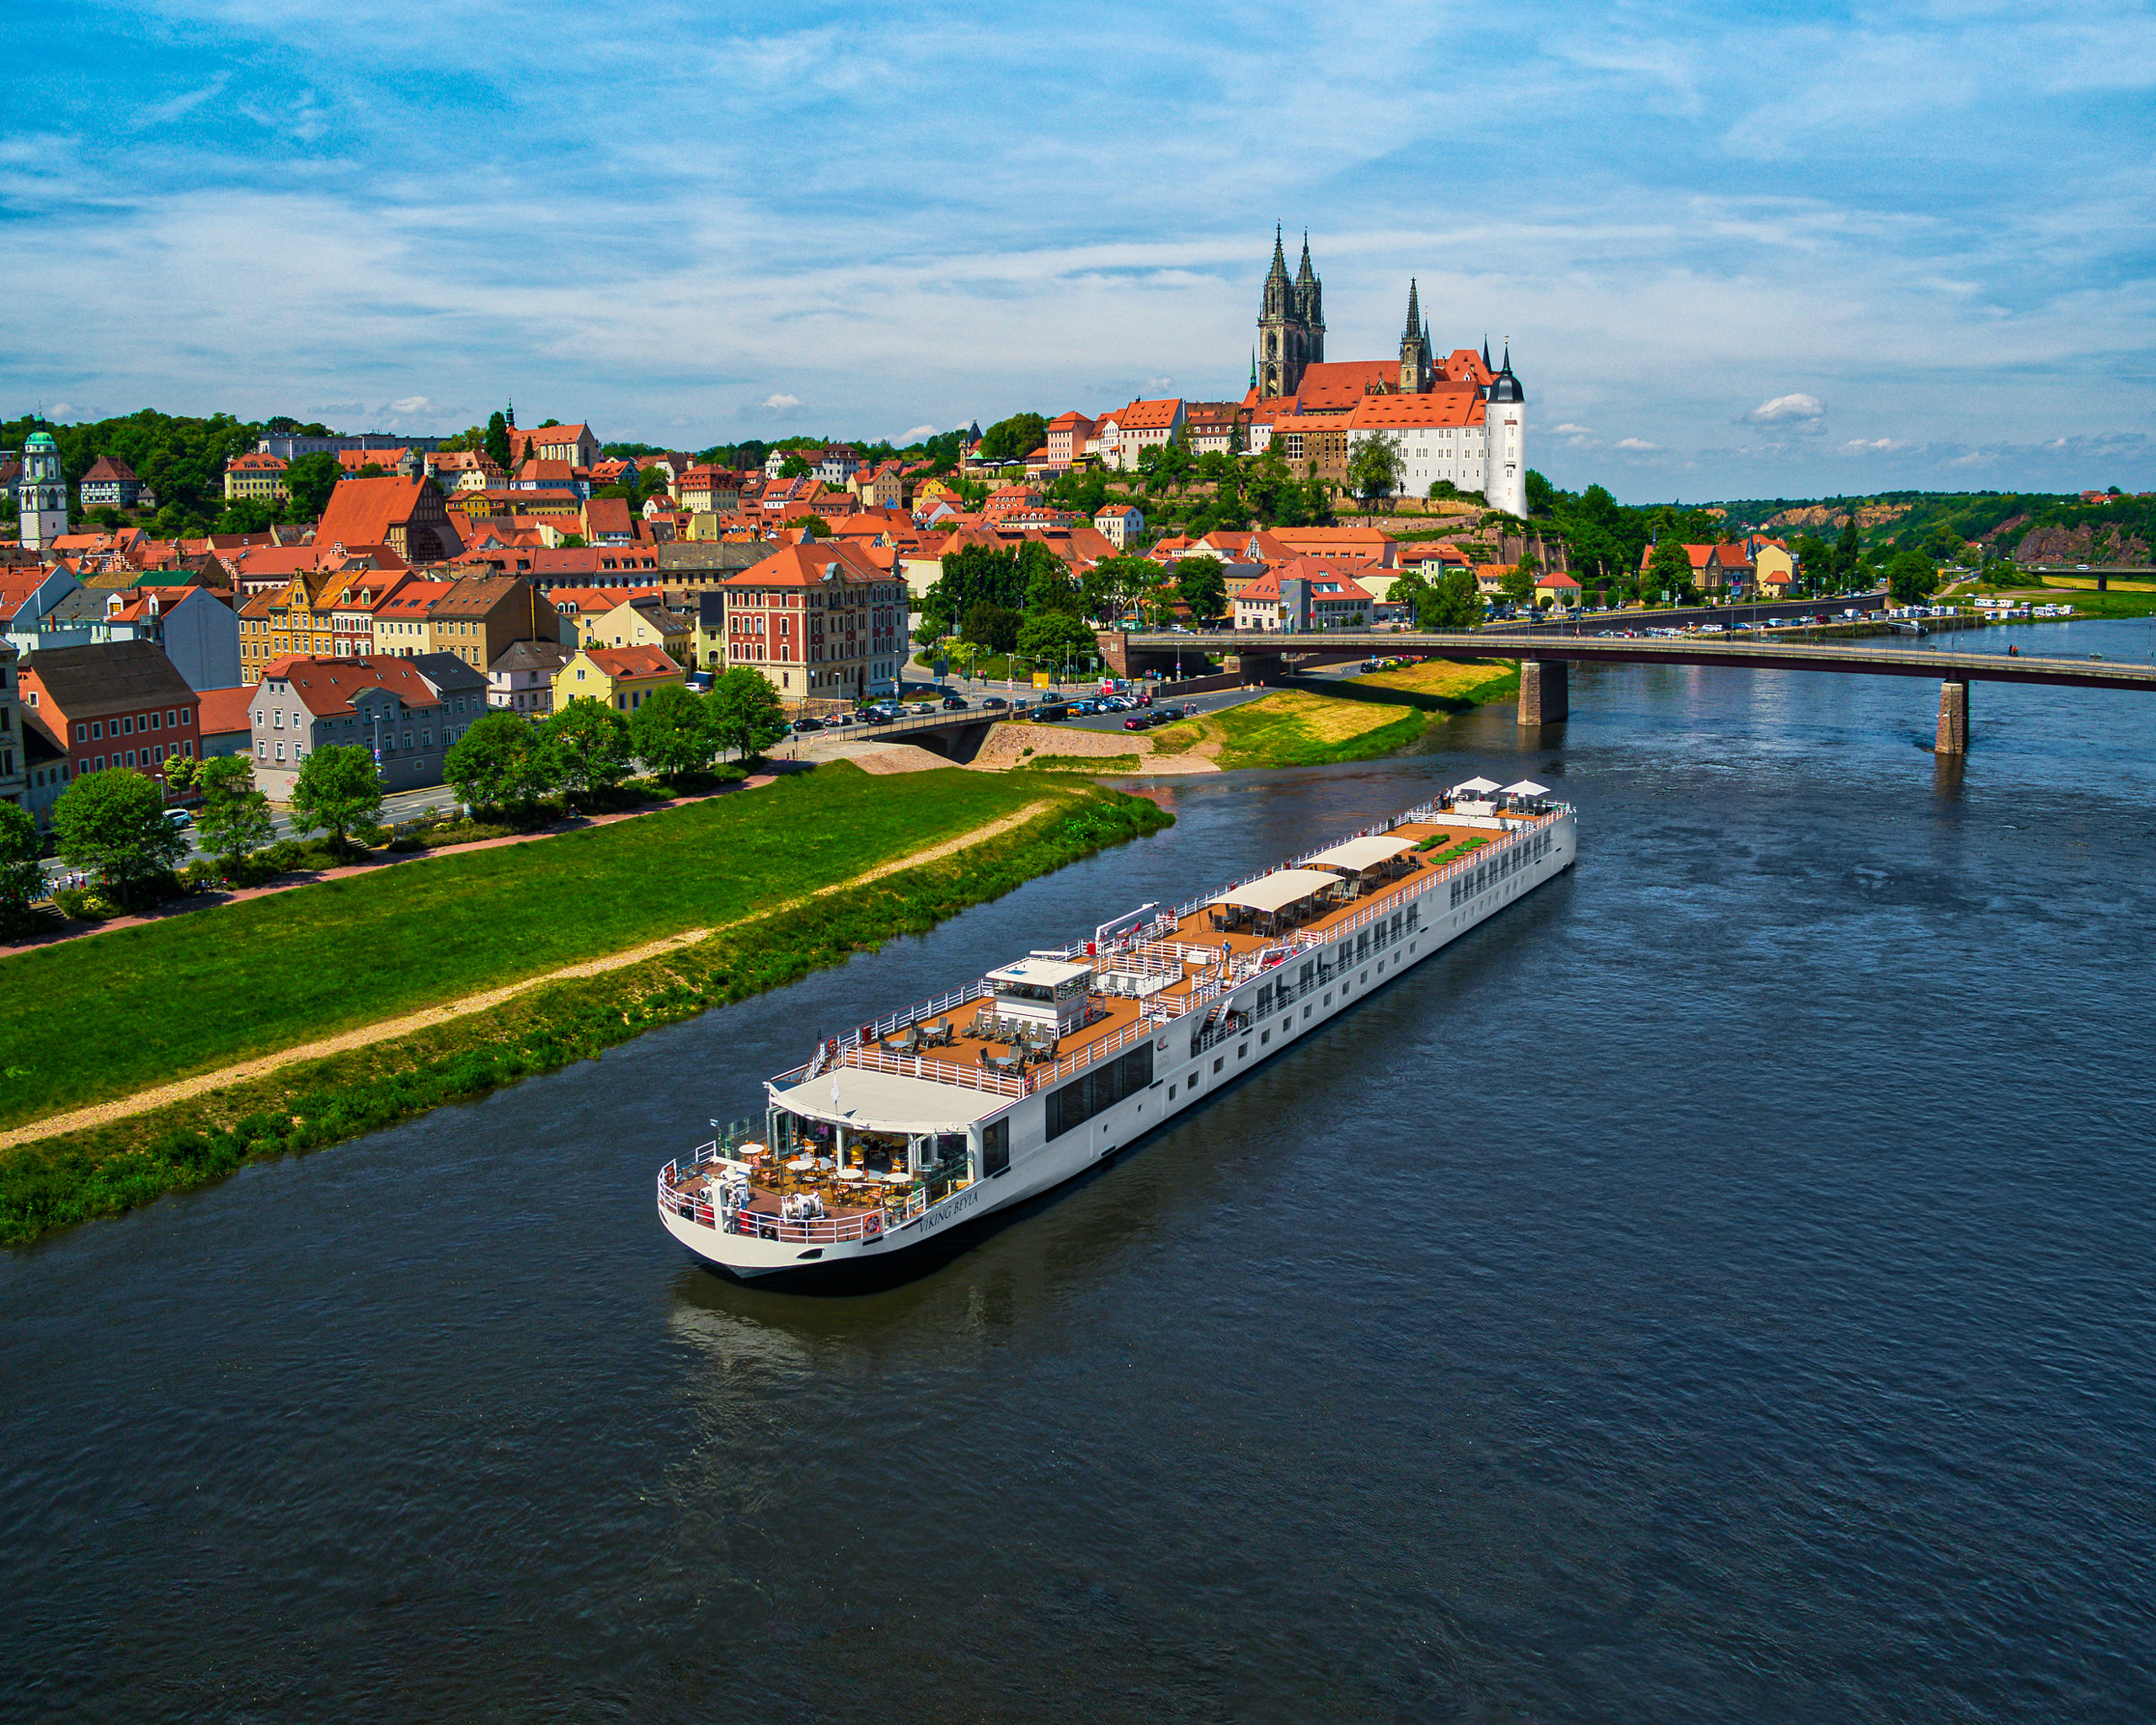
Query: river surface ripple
point(1720, 1288)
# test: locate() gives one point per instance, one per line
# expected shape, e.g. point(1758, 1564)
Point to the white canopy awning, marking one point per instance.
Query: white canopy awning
point(1476, 786)
point(1278, 891)
point(888, 1102)
point(1525, 788)
point(1359, 854)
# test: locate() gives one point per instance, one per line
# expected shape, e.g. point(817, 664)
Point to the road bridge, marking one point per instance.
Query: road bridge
point(1545, 661)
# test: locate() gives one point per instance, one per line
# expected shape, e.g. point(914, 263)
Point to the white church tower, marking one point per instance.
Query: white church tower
point(41, 494)
point(1505, 424)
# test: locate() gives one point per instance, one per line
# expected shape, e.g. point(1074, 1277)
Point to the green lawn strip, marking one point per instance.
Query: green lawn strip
point(1256, 737)
point(56, 1181)
point(1084, 763)
point(89, 1020)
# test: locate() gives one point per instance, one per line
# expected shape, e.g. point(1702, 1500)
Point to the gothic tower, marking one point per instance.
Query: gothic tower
point(1290, 324)
point(1414, 367)
point(41, 494)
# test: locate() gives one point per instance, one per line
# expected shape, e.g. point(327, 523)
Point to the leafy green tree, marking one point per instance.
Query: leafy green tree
point(336, 790)
point(1517, 583)
point(184, 775)
point(1374, 467)
point(22, 881)
point(1911, 575)
point(1451, 602)
point(1849, 552)
point(1055, 637)
point(310, 479)
point(113, 824)
point(1202, 586)
point(746, 712)
point(590, 745)
point(498, 440)
point(1542, 496)
point(815, 525)
point(1043, 579)
point(992, 626)
point(501, 761)
point(795, 465)
point(1013, 438)
point(235, 818)
point(1670, 571)
point(672, 731)
point(1815, 560)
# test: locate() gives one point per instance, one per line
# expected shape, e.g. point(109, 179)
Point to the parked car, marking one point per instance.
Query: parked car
point(807, 724)
point(1138, 722)
point(957, 703)
point(1169, 715)
point(993, 702)
point(180, 817)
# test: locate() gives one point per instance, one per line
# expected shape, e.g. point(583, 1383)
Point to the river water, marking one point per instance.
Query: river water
point(1720, 1288)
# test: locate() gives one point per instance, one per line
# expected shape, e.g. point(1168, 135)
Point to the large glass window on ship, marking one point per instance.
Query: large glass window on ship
point(994, 1148)
point(1108, 1084)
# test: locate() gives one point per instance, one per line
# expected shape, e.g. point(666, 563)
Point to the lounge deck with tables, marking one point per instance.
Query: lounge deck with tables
point(1184, 955)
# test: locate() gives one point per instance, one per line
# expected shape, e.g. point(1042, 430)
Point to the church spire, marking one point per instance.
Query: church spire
point(1485, 353)
point(1279, 257)
point(1414, 313)
point(1305, 275)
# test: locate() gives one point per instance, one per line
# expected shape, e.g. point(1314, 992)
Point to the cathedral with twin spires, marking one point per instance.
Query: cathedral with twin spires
point(1454, 419)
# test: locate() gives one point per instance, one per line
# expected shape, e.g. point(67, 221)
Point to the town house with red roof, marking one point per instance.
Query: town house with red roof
point(408, 516)
point(117, 705)
point(409, 712)
point(823, 621)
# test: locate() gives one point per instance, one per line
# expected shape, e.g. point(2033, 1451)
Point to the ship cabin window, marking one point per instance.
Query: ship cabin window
point(1363, 944)
point(994, 1148)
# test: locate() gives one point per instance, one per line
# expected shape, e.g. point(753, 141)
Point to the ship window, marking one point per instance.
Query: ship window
point(1243, 1050)
point(1306, 1012)
point(994, 1148)
point(1171, 1092)
point(1108, 1084)
point(1219, 1063)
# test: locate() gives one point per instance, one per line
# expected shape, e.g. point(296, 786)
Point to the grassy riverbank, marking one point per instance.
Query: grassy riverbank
point(104, 1170)
point(89, 1020)
point(1322, 722)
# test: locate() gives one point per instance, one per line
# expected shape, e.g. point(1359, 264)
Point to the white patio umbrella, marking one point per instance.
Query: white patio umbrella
point(1476, 785)
point(1525, 788)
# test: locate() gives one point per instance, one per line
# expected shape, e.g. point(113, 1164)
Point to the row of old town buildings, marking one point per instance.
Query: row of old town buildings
point(438, 585)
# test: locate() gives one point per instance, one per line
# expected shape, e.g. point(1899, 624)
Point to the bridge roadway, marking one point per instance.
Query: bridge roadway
point(1544, 696)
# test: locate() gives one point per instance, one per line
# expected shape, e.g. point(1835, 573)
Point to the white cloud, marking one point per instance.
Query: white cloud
point(61, 407)
point(781, 403)
point(917, 435)
point(157, 113)
point(1798, 412)
point(1870, 445)
point(410, 406)
point(1158, 382)
point(1636, 444)
point(1569, 429)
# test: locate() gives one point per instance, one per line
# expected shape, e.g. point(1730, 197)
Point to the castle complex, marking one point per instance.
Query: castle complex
point(1453, 420)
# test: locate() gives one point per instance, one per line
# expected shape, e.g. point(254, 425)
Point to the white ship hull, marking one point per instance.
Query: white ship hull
point(1184, 1078)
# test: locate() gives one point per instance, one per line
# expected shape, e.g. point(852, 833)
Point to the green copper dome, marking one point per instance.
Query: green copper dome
point(40, 440)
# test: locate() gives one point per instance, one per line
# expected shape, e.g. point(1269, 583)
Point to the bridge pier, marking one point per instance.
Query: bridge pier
point(1953, 718)
point(1545, 689)
point(1267, 668)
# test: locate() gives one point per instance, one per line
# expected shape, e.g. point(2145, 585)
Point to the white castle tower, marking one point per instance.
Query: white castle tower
point(41, 494)
point(1505, 422)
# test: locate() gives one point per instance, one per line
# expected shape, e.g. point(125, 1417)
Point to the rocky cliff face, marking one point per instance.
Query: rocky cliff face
point(2090, 545)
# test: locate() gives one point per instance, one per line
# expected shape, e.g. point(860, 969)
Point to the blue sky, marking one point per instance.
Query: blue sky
point(1796, 251)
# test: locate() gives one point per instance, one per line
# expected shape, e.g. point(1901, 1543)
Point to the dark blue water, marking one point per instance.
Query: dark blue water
point(1719, 1289)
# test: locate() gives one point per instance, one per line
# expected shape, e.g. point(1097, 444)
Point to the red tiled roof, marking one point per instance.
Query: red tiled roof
point(222, 710)
point(362, 511)
point(631, 661)
point(325, 686)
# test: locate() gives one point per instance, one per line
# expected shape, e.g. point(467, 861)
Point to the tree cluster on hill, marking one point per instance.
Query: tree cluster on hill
point(181, 459)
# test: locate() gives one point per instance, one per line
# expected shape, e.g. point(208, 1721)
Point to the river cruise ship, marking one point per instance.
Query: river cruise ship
point(952, 1110)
